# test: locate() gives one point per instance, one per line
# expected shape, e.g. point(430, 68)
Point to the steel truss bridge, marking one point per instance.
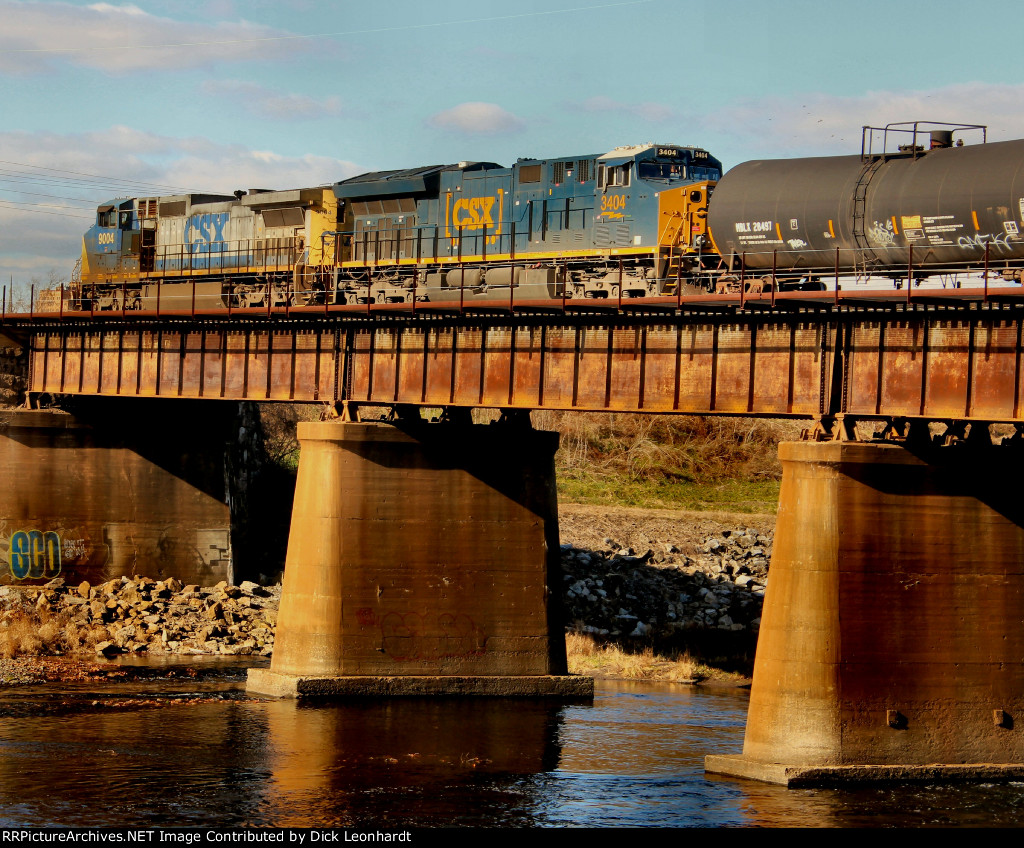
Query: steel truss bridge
point(943, 355)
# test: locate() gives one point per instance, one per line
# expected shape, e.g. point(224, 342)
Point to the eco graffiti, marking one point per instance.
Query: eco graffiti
point(35, 554)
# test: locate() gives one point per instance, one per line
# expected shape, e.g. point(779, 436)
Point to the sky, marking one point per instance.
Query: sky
point(104, 100)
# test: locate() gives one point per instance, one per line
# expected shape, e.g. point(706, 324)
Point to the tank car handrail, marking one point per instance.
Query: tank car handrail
point(913, 128)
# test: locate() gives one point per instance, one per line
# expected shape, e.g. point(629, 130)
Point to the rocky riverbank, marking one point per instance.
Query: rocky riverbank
point(138, 616)
point(663, 594)
point(666, 581)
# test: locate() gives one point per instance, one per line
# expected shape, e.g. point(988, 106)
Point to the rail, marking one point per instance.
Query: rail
point(774, 279)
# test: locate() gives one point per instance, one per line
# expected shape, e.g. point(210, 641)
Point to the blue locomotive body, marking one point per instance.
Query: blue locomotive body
point(600, 225)
point(577, 218)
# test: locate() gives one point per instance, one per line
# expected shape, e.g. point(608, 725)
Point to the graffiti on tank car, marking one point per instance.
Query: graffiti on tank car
point(1000, 241)
point(35, 555)
point(204, 231)
point(882, 234)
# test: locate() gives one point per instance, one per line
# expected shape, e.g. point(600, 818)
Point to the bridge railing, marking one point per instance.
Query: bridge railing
point(754, 275)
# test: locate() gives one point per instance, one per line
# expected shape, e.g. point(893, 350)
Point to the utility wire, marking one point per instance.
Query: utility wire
point(371, 31)
point(44, 211)
point(112, 180)
point(84, 200)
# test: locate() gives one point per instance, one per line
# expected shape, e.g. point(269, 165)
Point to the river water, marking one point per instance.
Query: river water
point(141, 754)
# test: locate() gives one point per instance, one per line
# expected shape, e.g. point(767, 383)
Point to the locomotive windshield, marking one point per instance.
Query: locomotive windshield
point(698, 173)
point(661, 170)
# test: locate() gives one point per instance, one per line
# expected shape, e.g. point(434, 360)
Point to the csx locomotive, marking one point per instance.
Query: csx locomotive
point(643, 221)
point(626, 223)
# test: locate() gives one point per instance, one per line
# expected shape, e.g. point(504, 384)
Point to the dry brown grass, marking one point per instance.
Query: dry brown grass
point(673, 461)
point(25, 632)
point(279, 422)
point(670, 447)
point(586, 656)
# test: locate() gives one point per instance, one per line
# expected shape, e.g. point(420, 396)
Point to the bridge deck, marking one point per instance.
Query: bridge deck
point(935, 357)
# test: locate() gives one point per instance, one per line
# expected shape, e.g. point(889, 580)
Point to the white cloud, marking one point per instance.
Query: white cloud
point(477, 118)
point(115, 38)
point(269, 103)
point(823, 124)
point(50, 184)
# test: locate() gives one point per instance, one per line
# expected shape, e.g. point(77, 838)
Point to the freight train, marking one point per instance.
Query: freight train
point(636, 222)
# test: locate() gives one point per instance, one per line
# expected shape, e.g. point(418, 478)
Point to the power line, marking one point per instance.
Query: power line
point(23, 208)
point(53, 196)
point(112, 180)
point(297, 37)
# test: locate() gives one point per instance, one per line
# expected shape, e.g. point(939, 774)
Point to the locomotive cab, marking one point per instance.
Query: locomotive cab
point(682, 180)
point(110, 248)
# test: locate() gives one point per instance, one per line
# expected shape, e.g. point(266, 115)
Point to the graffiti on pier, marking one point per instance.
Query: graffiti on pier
point(35, 554)
point(39, 554)
point(428, 636)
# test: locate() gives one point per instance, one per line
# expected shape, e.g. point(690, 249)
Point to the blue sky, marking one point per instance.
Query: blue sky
point(157, 97)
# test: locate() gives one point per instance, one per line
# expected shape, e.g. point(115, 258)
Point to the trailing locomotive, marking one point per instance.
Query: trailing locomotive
point(636, 222)
point(628, 223)
point(240, 249)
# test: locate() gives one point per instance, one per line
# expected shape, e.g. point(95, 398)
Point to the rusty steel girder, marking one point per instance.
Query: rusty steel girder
point(939, 362)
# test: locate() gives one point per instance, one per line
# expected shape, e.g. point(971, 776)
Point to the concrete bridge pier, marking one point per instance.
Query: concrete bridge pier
point(422, 559)
point(892, 638)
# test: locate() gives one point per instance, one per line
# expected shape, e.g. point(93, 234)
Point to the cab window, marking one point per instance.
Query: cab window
point(661, 171)
point(619, 175)
point(106, 218)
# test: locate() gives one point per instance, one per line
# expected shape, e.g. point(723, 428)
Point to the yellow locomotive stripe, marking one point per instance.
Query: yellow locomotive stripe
point(778, 231)
point(895, 229)
point(507, 257)
point(831, 231)
point(977, 226)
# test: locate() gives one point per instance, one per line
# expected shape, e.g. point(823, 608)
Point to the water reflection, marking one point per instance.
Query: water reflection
point(632, 758)
point(424, 761)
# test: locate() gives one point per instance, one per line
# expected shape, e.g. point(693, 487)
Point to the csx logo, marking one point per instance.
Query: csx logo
point(473, 213)
point(202, 230)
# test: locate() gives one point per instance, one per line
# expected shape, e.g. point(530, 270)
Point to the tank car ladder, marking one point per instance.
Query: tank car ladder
point(860, 203)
